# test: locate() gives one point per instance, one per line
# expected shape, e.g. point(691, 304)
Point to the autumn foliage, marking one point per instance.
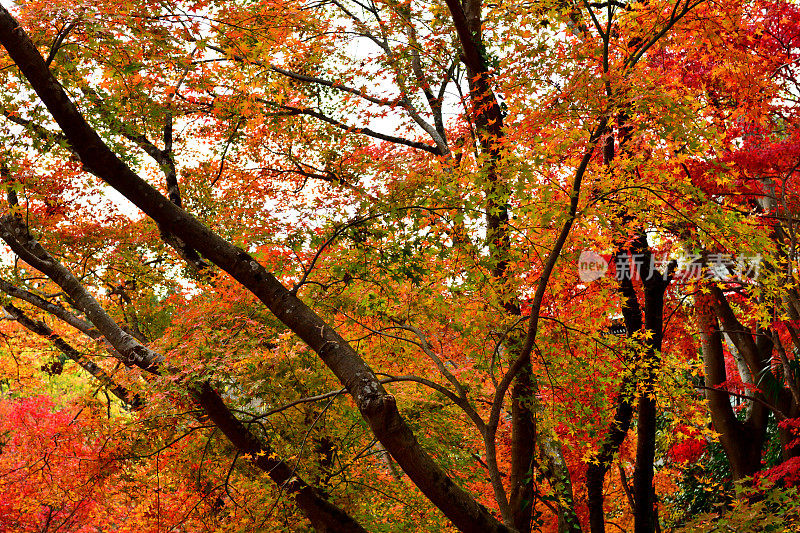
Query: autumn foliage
point(322, 266)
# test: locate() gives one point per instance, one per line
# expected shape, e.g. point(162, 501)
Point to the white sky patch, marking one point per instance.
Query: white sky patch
point(122, 204)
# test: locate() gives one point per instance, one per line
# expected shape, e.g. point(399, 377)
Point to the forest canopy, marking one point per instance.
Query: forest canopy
point(394, 265)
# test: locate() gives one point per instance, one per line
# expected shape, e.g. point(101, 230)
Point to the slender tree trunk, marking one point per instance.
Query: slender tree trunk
point(643, 493)
point(523, 437)
point(595, 473)
point(488, 121)
point(655, 284)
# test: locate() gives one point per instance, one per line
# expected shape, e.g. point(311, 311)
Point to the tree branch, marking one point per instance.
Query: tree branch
point(40, 328)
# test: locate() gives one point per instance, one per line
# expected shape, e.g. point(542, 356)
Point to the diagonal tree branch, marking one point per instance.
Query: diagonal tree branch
point(40, 328)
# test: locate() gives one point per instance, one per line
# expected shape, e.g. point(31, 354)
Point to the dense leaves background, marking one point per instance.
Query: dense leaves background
point(420, 179)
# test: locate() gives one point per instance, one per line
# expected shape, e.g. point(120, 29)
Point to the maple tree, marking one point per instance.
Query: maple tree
point(348, 299)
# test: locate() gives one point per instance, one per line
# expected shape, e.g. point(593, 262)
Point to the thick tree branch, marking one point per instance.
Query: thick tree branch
point(29, 250)
point(54, 309)
point(324, 516)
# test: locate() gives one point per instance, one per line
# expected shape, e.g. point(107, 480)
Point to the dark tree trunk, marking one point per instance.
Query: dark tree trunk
point(595, 473)
point(742, 441)
point(643, 493)
point(523, 438)
point(655, 284)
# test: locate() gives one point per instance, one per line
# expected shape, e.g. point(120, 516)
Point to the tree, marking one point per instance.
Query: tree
point(373, 197)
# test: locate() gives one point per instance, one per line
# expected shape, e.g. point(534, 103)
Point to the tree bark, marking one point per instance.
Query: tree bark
point(655, 284)
point(523, 437)
point(601, 462)
point(742, 442)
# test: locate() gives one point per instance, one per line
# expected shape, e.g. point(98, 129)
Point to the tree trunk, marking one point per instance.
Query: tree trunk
point(595, 473)
point(742, 442)
point(523, 437)
point(655, 284)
